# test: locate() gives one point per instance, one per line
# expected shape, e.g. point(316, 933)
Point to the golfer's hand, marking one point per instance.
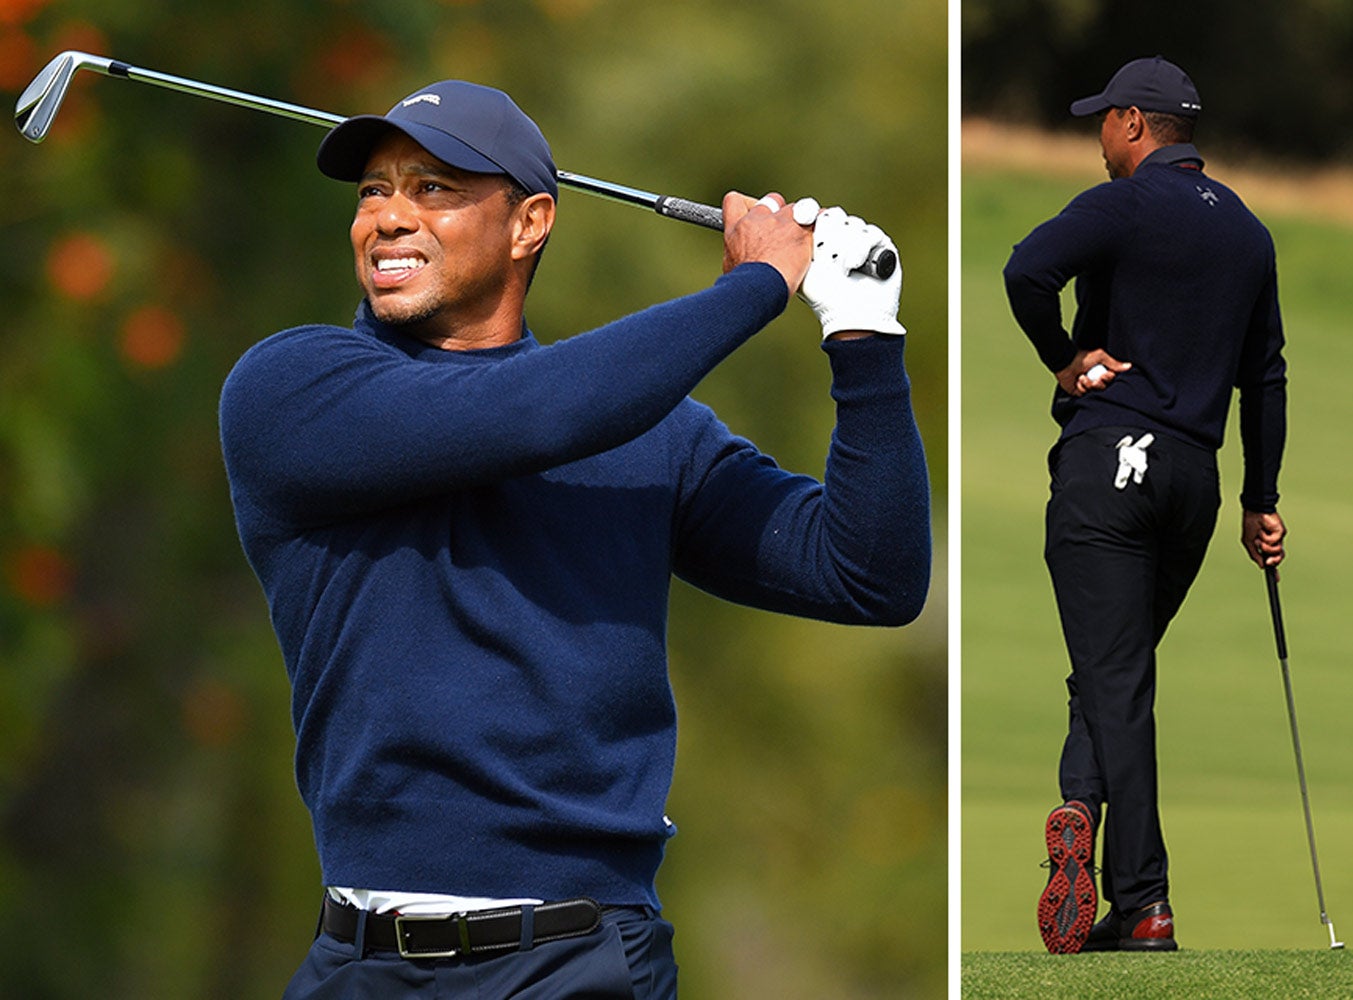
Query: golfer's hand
point(753, 231)
point(847, 301)
point(1075, 379)
point(1262, 536)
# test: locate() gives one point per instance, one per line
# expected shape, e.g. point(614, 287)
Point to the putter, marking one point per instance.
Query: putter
point(37, 106)
point(1271, 577)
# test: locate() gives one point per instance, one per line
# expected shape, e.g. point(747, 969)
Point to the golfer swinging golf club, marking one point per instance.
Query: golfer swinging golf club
point(1177, 302)
point(467, 538)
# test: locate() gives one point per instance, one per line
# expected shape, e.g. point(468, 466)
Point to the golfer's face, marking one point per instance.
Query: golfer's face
point(432, 243)
point(1113, 141)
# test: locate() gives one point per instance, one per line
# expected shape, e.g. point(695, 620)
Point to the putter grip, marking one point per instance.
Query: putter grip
point(881, 264)
point(1279, 634)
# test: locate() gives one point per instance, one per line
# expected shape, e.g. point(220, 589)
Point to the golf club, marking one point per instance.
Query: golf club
point(37, 106)
point(1271, 577)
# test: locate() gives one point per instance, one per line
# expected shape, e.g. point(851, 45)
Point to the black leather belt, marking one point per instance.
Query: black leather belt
point(459, 934)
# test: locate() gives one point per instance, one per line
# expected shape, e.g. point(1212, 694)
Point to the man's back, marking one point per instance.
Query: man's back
point(1175, 275)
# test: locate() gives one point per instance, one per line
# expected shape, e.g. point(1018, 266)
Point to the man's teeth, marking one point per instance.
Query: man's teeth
point(399, 264)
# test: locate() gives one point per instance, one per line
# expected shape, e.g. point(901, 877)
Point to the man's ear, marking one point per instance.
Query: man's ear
point(532, 221)
point(1136, 123)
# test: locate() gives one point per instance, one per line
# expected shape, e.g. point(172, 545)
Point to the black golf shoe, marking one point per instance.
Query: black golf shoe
point(1149, 929)
point(1067, 907)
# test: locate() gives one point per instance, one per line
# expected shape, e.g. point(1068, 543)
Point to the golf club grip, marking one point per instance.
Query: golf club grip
point(881, 264)
point(684, 210)
point(1279, 635)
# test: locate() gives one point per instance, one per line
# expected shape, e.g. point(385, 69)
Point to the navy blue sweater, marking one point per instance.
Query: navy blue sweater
point(1174, 274)
point(467, 558)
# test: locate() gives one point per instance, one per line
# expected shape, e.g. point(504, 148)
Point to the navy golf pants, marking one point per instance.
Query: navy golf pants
point(1121, 562)
point(629, 957)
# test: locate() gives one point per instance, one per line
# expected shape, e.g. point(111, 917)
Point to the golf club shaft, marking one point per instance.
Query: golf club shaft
point(1280, 638)
point(881, 264)
point(675, 208)
point(238, 98)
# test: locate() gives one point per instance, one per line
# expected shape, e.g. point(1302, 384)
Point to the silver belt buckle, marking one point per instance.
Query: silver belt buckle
point(462, 929)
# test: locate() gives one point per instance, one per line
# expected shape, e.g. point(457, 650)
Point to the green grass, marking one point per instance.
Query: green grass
point(1203, 975)
point(1240, 869)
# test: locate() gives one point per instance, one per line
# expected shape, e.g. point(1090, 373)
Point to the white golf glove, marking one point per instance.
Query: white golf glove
point(1132, 461)
point(842, 297)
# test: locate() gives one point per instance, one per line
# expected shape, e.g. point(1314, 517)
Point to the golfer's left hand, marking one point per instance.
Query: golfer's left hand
point(1262, 536)
point(847, 300)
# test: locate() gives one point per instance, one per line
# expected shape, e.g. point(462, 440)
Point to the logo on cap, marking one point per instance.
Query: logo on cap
point(430, 98)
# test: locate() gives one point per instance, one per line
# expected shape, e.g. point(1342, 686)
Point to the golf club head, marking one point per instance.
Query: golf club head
point(37, 106)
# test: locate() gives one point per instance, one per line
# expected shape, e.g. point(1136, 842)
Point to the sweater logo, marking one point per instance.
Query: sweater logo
point(1207, 195)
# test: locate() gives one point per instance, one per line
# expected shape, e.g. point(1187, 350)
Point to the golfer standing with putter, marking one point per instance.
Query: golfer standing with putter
point(1176, 304)
point(466, 540)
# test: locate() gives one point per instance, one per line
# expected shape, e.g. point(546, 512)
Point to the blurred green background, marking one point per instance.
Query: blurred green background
point(1240, 868)
point(1273, 74)
point(152, 843)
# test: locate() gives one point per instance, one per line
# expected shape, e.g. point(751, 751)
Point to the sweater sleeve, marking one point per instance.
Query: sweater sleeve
point(1262, 380)
point(854, 548)
point(1077, 240)
point(323, 423)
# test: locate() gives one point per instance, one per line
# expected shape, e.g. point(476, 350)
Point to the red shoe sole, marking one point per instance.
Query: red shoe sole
point(1066, 910)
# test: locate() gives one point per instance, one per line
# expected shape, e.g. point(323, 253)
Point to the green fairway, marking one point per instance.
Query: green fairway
point(1231, 974)
point(1240, 868)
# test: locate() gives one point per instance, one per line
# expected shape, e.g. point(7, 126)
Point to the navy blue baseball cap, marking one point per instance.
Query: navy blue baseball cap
point(1153, 84)
point(467, 125)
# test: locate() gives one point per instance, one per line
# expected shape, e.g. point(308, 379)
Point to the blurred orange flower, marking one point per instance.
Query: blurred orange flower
point(80, 266)
point(39, 575)
point(152, 337)
point(19, 11)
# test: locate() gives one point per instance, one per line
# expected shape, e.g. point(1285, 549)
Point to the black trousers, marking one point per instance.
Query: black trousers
point(1121, 562)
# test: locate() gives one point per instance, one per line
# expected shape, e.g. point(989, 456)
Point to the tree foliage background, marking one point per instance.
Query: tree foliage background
point(1273, 75)
point(152, 843)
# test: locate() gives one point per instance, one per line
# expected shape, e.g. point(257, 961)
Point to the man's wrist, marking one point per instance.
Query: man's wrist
point(1060, 357)
point(760, 273)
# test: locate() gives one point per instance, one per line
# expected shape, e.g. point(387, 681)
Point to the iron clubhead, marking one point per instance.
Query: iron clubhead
point(36, 108)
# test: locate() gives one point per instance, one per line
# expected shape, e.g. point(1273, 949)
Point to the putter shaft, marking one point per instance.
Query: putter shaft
point(1280, 638)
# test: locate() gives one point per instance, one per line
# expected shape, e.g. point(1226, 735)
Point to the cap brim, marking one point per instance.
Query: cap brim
point(344, 152)
point(1090, 106)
